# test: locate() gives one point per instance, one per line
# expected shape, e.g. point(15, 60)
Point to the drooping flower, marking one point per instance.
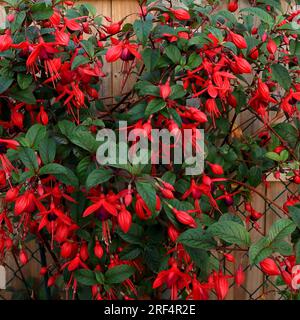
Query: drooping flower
point(269, 267)
point(123, 50)
point(174, 280)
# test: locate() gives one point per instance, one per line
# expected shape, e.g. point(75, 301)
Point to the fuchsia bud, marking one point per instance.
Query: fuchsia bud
point(165, 90)
point(239, 276)
point(98, 250)
point(216, 168)
point(180, 14)
point(233, 5)
point(124, 220)
point(271, 46)
point(269, 267)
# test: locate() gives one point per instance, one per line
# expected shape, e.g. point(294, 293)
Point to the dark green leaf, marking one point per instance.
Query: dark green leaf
point(148, 193)
point(154, 106)
point(78, 61)
point(173, 53)
point(281, 75)
point(36, 134)
point(142, 30)
point(47, 150)
point(197, 238)
point(231, 232)
point(5, 83)
point(41, 11)
point(118, 274)
point(97, 177)
point(29, 159)
point(85, 277)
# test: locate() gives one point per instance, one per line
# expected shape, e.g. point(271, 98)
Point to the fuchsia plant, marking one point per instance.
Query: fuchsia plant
point(108, 228)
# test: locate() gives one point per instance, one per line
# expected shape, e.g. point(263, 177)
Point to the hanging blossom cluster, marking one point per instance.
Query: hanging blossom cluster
point(108, 228)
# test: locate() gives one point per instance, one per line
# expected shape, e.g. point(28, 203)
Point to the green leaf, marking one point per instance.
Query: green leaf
point(255, 176)
point(88, 47)
point(154, 106)
point(118, 274)
point(133, 236)
point(5, 83)
point(18, 21)
point(150, 58)
point(78, 61)
point(259, 251)
point(288, 132)
point(173, 53)
point(47, 150)
point(84, 139)
point(297, 251)
point(281, 75)
point(98, 176)
point(295, 214)
point(23, 95)
point(280, 229)
point(153, 257)
point(29, 159)
point(24, 80)
point(197, 238)
point(177, 92)
point(148, 193)
point(283, 248)
point(85, 277)
point(231, 232)
point(273, 156)
point(91, 9)
point(284, 155)
point(41, 11)
point(142, 30)
point(62, 173)
point(260, 13)
point(35, 134)
point(194, 60)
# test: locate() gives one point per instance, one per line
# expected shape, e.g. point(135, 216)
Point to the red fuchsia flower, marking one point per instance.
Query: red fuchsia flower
point(239, 276)
point(6, 144)
point(174, 280)
point(233, 5)
point(98, 250)
point(180, 14)
point(84, 252)
point(4, 220)
point(269, 267)
point(124, 219)
point(141, 209)
point(68, 249)
point(254, 53)
point(216, 168)
point(229, 257)
point(113, 28)
point(23, 257)
point(61, 37)
point(221, 284)
point(173, 233)
point(212, 109)
point(199, 291)
point(123, 50)
point(165, 90)
point(44, 52)
point(241, 65)
point(291, 201)
point(5, 41)
point(104, 207)
point(75, 264)
point(42, 116)
point(238, 40)
point(184, 218)
point(271, 46)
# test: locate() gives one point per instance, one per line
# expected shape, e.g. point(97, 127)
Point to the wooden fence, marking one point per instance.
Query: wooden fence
point(253, 288)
